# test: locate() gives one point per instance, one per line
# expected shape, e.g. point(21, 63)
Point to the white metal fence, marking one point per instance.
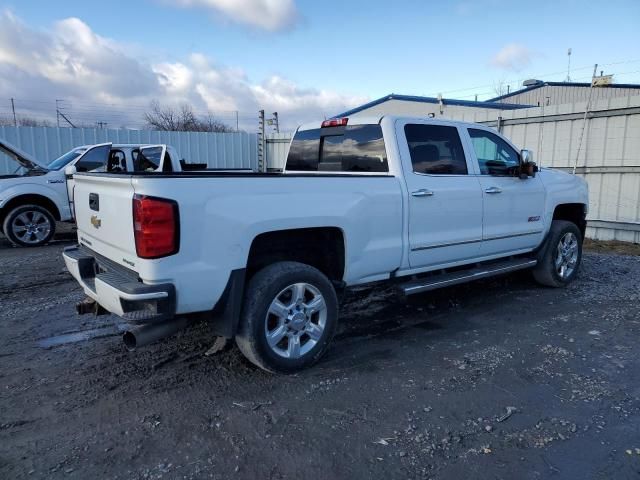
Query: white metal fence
point(277, 149)
point(217, 150)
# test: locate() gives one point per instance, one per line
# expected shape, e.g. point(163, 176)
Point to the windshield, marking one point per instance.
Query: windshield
point(62, 161)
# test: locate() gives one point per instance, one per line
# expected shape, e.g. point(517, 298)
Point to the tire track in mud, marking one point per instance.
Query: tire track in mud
point(47, 283)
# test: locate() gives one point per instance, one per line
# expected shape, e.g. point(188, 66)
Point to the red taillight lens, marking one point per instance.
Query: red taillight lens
point(335, 122)
point(155, 226)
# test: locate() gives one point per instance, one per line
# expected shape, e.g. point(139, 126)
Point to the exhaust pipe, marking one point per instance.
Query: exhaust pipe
point(146, 334)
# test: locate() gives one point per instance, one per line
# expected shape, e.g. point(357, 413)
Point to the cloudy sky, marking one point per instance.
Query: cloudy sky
point(307, 59)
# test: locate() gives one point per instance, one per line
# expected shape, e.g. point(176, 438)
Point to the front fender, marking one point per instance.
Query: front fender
point(57, 196)
point(562, 188)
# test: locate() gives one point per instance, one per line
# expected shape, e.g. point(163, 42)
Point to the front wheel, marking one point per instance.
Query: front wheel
point(29, 226)
point(559, 263)
point(288, 318)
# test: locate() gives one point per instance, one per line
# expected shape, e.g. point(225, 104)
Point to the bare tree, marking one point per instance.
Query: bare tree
point(500, 88)
point(25, 122)
point(33, 122)
point(182, 119)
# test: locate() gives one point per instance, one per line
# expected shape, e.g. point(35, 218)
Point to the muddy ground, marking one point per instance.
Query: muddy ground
point(501, 379)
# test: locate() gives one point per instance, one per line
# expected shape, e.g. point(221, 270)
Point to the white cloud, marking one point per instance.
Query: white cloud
point(74, 63)
point(514, 57)
point(271, 15)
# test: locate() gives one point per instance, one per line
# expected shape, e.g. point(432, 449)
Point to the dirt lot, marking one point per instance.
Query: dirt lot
point(500, 379)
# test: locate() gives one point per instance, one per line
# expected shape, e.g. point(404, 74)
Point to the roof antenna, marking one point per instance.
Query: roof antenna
point(568, 66)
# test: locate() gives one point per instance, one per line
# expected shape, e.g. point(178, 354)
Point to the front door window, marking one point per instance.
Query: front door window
point(495, 156)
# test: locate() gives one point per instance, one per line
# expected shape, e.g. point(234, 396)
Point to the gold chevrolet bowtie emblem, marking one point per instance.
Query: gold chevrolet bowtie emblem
point(95, 221)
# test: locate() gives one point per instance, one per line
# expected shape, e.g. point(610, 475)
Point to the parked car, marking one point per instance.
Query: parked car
point(419, 202)
point(38, 194)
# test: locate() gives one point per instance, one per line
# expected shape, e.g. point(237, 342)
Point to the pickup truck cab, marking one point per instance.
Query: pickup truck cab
point(38, 194)
point(419, 202)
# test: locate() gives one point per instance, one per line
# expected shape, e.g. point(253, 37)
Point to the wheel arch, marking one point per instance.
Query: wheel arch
point(30, 199)
point(321, 247)
point(324, 250)
point(572, 212)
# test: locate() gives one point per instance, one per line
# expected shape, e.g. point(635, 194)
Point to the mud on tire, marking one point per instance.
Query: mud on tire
point(288, 318)
point(559, 261)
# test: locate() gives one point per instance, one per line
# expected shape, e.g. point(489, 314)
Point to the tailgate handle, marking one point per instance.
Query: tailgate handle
point(94, 202)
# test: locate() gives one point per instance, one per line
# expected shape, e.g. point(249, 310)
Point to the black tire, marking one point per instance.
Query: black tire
point(545, 272)
point(266, 286)
point(47, 226)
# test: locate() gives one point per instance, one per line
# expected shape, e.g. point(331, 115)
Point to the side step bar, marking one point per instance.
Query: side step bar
point(463, 276)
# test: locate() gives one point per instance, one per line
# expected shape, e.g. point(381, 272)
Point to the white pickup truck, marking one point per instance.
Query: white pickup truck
point(264, 256)
point(38, 194)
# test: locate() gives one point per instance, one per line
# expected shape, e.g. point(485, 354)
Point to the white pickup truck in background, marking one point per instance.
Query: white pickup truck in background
point(38, 194)
point(419, 202)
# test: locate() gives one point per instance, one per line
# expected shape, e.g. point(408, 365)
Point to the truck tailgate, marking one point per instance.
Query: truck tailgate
point(104, 215)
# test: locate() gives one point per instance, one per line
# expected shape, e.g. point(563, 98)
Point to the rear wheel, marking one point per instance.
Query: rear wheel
point(29, 226)
point(288, 317)
point(559, 263)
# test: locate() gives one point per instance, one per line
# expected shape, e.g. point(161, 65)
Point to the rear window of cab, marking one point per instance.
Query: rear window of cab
point(351, 148)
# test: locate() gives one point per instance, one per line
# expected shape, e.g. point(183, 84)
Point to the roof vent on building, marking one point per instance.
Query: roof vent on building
point(532, 82)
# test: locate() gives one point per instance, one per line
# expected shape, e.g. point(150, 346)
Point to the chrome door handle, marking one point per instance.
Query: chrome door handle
point(493, 190)
point(423, 192)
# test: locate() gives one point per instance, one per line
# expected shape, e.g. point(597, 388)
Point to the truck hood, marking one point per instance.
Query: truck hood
point(23, 158)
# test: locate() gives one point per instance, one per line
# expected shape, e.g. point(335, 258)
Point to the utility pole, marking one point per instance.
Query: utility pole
point(60, 114)
point(568, 66)
point(13, 109)
point(57, 113)
point(237, 123)
point(262, 167)
point(102, 124)
point(584, 119)
point(275, 120)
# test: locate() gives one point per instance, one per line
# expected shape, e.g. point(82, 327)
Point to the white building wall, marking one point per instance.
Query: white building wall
point(559, 95)
point(422, 109)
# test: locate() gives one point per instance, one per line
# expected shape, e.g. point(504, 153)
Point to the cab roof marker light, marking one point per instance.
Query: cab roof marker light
point(335, 122)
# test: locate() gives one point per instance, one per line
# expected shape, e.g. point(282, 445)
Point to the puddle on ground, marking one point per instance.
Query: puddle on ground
point(81, 336)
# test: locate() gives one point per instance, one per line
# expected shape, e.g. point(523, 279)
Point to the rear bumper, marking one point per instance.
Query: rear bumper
point(118, 289)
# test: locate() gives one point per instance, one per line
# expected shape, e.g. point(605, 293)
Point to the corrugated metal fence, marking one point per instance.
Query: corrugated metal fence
point(217, 150)
point(277, 149)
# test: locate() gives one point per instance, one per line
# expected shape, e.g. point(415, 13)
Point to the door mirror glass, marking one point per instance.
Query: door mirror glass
point(526, 156)
point(528, 167)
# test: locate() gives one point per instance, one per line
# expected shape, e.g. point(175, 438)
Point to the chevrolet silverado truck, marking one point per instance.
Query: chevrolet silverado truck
point(38, 194)
point(264, 257)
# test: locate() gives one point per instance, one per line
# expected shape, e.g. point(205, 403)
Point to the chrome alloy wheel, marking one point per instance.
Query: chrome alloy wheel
point(295, 320)
point(31, 227)
point(566, 255)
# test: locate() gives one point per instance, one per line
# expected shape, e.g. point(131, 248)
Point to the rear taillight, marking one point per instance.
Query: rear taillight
point(155, 226)
point(335, 122)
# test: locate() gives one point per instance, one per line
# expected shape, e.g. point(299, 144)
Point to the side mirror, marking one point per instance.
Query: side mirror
point(528, 167)
point(69, 170)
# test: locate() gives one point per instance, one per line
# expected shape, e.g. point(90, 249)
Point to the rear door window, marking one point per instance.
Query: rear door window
point(354, 148)
point(435, 149)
